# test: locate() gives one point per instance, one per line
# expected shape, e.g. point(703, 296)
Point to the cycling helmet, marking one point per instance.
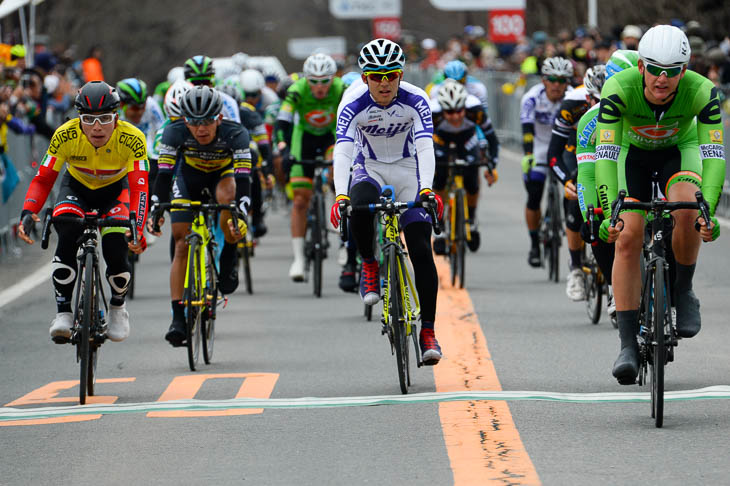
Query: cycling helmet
point(452, 95)
point(557, 66)
point(96, 97)
point(381, 55)
point(232, 88)
point(455, 70)
point(178, 72)
point(252, 81)
point(620, 60)
point(286, 83)
point(173, 97)
point(664, 45)
point(350, 78)
point(319, 66)
point(201, 102)
point(199, 68)
point(594, 79)
point(132, 90)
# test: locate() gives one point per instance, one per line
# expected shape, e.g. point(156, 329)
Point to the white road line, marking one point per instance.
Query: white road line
point(41, 275)
point(7, 413)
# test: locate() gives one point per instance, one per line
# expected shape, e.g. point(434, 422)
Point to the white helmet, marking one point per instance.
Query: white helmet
point(593, 80)
point(557, 66)
point(381, 55)
point(178, 72)
point(173, 96)
point(664, 45)
point(252, 81)
point(452, 95)
point(319, 66)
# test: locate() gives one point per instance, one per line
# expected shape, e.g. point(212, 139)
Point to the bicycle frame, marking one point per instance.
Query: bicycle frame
point(200, 232)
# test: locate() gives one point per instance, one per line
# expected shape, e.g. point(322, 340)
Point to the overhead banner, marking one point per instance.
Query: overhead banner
point(365, 9)
point(506, 26)
point(387, 28)
point(301, 48)
point(478, 4)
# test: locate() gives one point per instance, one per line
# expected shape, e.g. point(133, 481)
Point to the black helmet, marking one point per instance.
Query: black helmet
point(201, 102)
point(199, 68)
point(96, 97)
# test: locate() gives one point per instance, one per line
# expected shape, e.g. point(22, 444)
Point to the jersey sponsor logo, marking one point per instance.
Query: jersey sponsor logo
point(134, 143)
point(610, 111)
point(712, 151)
point(655, 132)
point(716, 136)
point(567, 116)
point(603, 195)
point(142, 209)
point(319, 118)
point(711, 113)
point(425, 111)
point(584, 137)
point(607, 136)
point(77, 157)
point(608, 152)
point(60, 137)
point(586, 157)
point(343, 121)
point(392, 130)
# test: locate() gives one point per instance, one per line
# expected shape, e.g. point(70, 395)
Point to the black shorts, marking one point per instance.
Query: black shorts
point(76, 199)
point(189, 184)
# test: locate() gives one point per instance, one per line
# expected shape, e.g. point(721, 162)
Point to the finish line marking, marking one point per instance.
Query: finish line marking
point(9, 413)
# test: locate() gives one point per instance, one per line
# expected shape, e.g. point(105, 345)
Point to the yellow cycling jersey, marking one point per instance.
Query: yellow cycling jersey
point(94, 167)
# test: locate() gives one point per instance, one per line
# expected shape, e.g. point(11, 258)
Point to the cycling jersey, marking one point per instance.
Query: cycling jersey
point(585, 151)
point(628, 125)
point(230, 108)
point(253, 122)
point(561, 150)
point(537, 110)
point(151, 121)
point(401, 132)
point(476, 114)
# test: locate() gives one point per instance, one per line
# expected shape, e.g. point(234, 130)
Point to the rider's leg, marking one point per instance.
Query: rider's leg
point(575, 289)
point(534, 184)
point(471, 185)
point(225, 193)
point(301, 181)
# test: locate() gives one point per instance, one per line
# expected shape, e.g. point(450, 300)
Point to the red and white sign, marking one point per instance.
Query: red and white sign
point(506, 26)
point(387, 27)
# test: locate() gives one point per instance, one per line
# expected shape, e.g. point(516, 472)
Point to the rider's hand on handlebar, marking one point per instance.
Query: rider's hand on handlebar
point(609, 233)
point(338, 208)
point(141, 243)
point(240, 232)
point(570, 190)
point(491, 176)
point(21, 229)
point(151, 223)
point(428, 195)
point(713, 233)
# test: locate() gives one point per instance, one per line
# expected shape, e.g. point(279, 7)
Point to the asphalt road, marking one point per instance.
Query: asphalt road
point(285, 343)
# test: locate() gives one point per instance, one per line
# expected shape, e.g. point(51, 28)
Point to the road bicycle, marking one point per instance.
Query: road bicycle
point(88, 331)
point(551, 228)
point(401, 308)
point(200, 294)
point(316, 242)
point(657, 330)
point(245, 254)
point(595, 283)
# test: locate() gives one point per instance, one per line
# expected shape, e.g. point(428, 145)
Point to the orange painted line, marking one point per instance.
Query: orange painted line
point(255, 385)
point(482, 441)
point(49, 394)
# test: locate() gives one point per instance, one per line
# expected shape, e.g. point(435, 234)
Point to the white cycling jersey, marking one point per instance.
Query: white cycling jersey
point(230, 108)
point(536, 108)
point(151, 121)
point(400, 133)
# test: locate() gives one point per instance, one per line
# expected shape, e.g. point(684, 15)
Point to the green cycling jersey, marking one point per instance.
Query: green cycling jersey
point(585, 152)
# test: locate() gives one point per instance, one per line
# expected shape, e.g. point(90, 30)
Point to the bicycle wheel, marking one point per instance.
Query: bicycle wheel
point(87, 307)
point(317, 245)
point(658, 323)
point(94, 344)
point(211, 301)
point(132, 266)
point(461, 236)
point(451, 238)
point(555, 232)
point(594, 290)
point(193, 300)
point(395, 317)
point(246, 246)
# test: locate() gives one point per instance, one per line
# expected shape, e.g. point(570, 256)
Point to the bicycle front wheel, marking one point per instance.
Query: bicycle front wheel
point(133, 257)
point(245, 250)
point(397, 321)
point(461, 236)
point(210, 301)
point(318, 244)
point(593, 289)
point(87, 306)
point(658, 322)
point(193, 302)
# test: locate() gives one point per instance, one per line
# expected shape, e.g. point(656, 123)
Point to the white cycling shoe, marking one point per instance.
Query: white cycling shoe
point(62, 324)
point(118, 329)
point(575, 290)
point(296, 271)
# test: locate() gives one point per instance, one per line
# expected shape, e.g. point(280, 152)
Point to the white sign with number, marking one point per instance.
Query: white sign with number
point(303, 47)
point(477, 4)
point(365, 9)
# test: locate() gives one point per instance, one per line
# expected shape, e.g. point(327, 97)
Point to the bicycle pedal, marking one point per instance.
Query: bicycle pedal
point(61, 339)
point(225, 301)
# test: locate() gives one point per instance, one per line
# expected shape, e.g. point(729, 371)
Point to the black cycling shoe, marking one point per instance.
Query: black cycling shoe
point(626, 367)
point(176, 334)
point(348, 283)
point(688, 314)
point(473, 243)
point(259, 229)
point(229, 276)
point(439, 245)
point(533, 258)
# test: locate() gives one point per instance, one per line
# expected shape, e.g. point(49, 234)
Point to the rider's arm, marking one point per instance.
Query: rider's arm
point(137, 172)
point(586, 158)
point(285, 119)
point(608, 142)
point(710, 137)
point(257, 131)
point(475, 112)
point(555, 156)
point(242, 166)
point(527, 118)
point(423, 137)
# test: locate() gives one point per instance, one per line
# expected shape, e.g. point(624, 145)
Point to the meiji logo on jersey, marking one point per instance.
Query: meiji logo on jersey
point(716, 136)
point(608, 136)
point(392, 129)
point(655, 132)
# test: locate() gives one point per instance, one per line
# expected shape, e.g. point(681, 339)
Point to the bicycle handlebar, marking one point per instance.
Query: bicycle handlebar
point(194, 206)
point(390, 207)
point(659, 205)
point(90, 221)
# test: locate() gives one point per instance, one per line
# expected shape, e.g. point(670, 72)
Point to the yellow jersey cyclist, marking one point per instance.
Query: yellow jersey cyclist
point(658, 118)
point(213, 153)
point(107, 168)
point(305, 129)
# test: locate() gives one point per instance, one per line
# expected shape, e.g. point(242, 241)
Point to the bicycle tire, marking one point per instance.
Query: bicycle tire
point(193, 309)
point(246, 263)
point(659, 320)
point(85, 326)
point(556, 235)
point(395, 313)
point(93, 344)
point(461, 235)
point(368, 312)
point(211, 301)
point(451, 238)
point(593, 290)
point(132, 267)
point(318, 245)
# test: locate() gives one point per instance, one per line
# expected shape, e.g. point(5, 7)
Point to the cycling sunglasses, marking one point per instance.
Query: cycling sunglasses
point(196, 122)
point(319, 81)
point(379, 77)
point(656, 70)
point(555, 79)
point(453, 112)
point(104, 118)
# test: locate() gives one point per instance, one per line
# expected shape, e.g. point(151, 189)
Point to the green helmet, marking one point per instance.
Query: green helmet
point(620, 60)
point(199, 68)
point(132, 91)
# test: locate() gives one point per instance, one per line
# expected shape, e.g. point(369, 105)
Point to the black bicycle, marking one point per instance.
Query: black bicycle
point(89, 328)
point(657, 331)
point(595, 283)
point(316, 242)
point(551, 228)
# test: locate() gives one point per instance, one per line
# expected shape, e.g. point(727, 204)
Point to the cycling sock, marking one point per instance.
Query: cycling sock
point(426, 324)
point(683, 281)
point(576, 257)
point(178, 310)
point(535, 238)
point(628, 327)
point(472, 214)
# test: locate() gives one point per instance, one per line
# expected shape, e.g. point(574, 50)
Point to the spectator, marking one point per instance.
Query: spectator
point(432, 54)
point(34, 101)
point(92, 65)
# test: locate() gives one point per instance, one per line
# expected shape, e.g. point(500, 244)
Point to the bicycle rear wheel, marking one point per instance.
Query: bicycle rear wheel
point(246, 254)
point(133, 257)
point(193, 302)
point(317, 245)
point(658, 322)
point(397, 321)
point(211, 301)
point(87, 307)
point(556, 236)
point(594, 289)
point(461, 236)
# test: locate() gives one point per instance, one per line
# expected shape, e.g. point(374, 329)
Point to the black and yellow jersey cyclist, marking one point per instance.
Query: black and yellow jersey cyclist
point(106, 161)
point(202, 151)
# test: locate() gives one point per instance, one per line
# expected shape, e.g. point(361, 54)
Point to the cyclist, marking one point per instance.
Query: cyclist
point(645, 127)
point(305, 128)
point(107, 171)
point(390, 123)
point(538, 109)
point(561, 157)
point(212, 152)
point(457, 117)
point(199, 71)
point(256, 93)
